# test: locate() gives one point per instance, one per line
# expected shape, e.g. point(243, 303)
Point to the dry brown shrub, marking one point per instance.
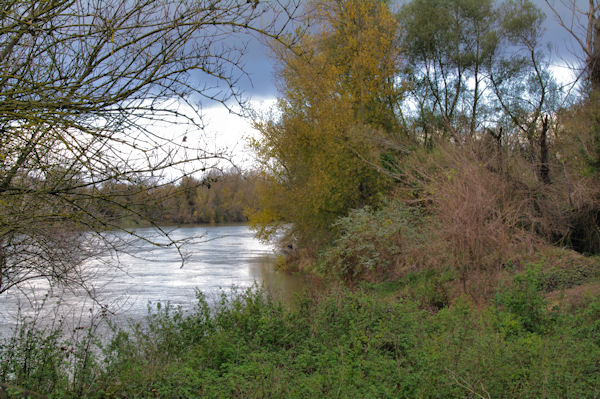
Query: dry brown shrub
point(578, 155)
point(575, 297)
point(480, 217)
point(489, 205)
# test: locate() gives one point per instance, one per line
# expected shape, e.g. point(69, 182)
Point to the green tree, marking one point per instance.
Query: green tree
point(340, 98)
point(474, 65)
point(448, 44)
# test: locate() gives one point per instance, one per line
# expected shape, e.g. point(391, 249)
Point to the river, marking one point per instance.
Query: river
point(217, 258)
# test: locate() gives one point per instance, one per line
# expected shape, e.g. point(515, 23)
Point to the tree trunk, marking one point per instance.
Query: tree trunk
point(544, 167)
point(593, 48)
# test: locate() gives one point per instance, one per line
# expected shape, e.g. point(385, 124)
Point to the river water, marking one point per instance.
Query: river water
point(217, 258)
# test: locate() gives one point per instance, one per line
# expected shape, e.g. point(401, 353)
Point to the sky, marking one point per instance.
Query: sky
point(260, 64)
point(564, 48)
point(227, 130)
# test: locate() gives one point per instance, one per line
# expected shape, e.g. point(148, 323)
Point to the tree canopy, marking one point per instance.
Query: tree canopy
point(448, 107)
point(339, 97)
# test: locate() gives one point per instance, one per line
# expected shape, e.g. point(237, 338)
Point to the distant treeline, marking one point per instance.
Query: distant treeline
point(217, 197)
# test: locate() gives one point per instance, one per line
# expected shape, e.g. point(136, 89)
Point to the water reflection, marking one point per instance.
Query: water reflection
point(217, 258)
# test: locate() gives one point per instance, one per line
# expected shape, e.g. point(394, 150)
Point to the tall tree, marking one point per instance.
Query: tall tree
point(476, 68)
point(472, 65)
point(448, 45)
point(583, 24)
point(339, 97)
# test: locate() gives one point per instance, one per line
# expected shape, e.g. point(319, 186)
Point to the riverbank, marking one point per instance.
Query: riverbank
point(372, 341)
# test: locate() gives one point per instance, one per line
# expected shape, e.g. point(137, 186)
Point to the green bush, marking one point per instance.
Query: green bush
point(563, 276)
point(371, 241)
point(524, 300)
point(342, 343)
point(34, 359)
point(40, 360)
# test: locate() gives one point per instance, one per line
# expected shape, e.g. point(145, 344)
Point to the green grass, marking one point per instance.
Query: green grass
point(346, 344)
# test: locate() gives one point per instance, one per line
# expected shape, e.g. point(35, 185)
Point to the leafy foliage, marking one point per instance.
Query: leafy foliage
point(524, 300)
point(339, 95)
point(342, 343)
point(219, 197)
point(373, 242)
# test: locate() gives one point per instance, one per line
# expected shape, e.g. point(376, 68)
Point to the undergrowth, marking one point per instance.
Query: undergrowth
point(346, 343)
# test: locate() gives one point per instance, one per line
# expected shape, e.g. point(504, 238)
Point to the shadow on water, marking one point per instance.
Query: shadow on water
point(280, 285)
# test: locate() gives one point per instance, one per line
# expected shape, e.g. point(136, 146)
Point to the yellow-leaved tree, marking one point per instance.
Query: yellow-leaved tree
point(339, 101)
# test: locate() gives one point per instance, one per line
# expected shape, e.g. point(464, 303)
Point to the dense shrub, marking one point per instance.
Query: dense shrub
point(373, 242)
point(339, 344)
point(47, 359)
point(525, 301)
point(560, 268)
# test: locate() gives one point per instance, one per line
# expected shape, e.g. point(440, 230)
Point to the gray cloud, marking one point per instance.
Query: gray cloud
point(260, 65)
point(563, 45)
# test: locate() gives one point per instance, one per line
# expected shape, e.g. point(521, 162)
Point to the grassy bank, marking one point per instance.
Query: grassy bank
point(374, 341)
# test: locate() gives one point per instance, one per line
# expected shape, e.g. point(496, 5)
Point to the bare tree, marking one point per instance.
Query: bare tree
point(583, 24)
point(89, 93)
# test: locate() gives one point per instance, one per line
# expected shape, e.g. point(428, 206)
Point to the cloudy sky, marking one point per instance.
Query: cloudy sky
point(259, 62)
point(227, 130)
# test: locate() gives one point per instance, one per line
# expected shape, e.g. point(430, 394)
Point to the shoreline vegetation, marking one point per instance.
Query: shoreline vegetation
point(371, 341)
point(219, 197)
point(422, 163)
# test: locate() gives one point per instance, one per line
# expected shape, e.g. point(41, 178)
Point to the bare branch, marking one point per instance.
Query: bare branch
point(95, 92)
